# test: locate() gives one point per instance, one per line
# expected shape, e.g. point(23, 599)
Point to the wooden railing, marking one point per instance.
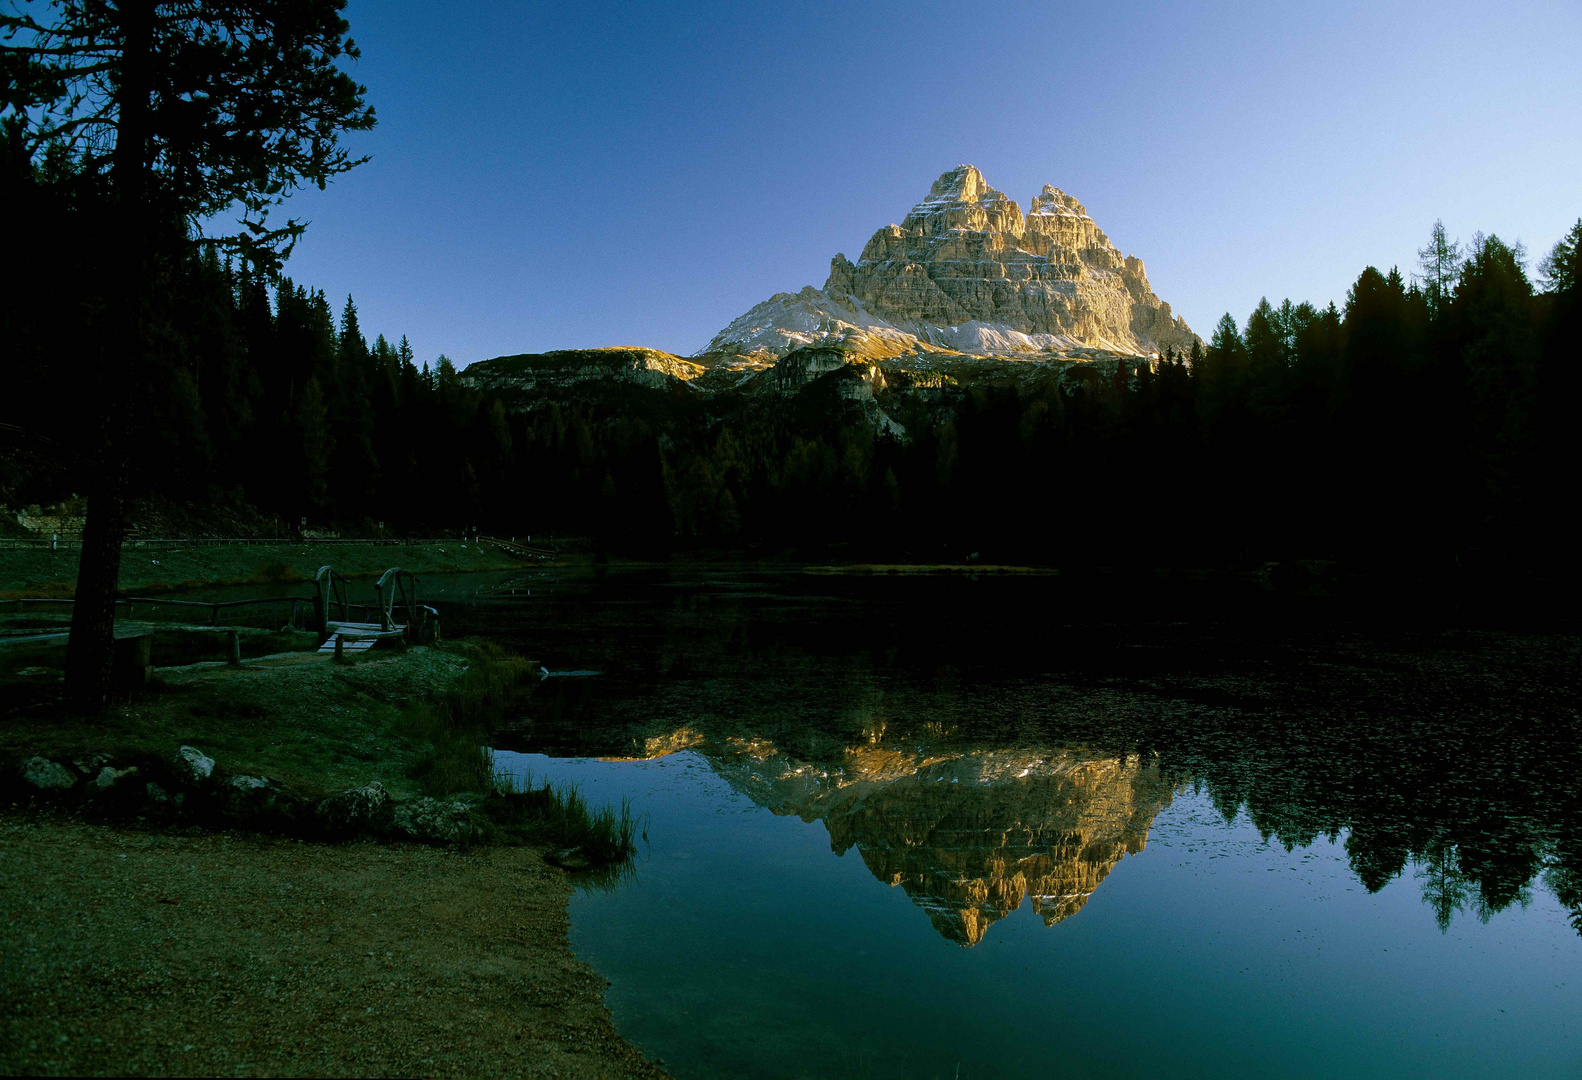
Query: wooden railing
point(299, 605)
point(539, 551)
point(397, 591)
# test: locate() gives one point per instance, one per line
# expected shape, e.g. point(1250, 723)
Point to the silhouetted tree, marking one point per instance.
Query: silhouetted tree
point(177, 113)
point(1493, 320)
point(1440, 262)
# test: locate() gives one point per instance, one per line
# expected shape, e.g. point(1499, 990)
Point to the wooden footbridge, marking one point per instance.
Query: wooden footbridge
point(399, 614)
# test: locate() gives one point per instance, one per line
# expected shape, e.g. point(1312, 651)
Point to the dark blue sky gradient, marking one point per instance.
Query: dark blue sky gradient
point(568, 175)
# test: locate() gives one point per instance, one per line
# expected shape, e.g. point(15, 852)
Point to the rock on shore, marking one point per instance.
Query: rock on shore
point(190, 786)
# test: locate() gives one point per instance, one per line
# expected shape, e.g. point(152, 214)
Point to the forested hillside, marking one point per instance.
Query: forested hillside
point(1424, 420)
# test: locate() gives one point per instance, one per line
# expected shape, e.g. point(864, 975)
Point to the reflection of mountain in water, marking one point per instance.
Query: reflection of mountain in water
point(968, 836)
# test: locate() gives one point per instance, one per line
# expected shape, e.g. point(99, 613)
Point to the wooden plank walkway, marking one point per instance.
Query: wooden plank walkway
point(357, 637)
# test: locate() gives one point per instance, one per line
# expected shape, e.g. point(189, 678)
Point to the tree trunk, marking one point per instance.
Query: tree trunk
point(90, 650)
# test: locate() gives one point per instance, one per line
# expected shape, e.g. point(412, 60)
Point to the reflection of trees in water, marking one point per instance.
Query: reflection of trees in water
point(1445, 889)
point(1566, 883)
point(1475, 813)
point(1452, 757)
point(971, 853)
point(1474, 836)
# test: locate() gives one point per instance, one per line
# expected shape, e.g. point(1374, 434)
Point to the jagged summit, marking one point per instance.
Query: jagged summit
point(967, 271)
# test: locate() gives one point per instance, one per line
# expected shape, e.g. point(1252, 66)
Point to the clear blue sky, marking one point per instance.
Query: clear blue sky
point(578, 174)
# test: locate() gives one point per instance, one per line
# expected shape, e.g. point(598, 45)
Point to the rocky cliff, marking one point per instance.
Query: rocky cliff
point(967, 272)
point(569, 368)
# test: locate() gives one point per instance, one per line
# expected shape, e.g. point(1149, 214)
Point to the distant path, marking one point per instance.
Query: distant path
point(134, 543)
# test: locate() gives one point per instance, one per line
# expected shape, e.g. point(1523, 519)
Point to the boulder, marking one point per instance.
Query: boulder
point(365, 809)
point(156, 794)
point(193, 765)
point(47, 775)
point(437, 821)
point(89, 766)
point(109, 776)
point(572, 858)
point(248, 796)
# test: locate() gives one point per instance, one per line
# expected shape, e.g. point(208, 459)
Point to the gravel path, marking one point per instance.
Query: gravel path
point(126, 952)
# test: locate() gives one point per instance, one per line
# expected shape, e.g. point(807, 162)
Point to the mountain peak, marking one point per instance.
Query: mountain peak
point(964, 183)
point(967, 272)
point(1054, 201)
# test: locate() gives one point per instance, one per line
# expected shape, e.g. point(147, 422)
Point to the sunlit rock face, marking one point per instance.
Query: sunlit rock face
point(529, 373)
point(968, 272)
point(971, 836)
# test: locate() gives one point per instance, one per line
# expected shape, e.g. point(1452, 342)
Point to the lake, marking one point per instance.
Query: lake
point(1004, 826)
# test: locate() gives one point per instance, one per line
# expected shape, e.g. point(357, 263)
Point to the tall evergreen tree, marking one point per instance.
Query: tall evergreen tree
point(1268, 348)
point(1440, 262)
point(318, 444)
point(354, 464)
point(1222, 372)
point(1226, 350)
point(1494, 322)
point(181, 113)
point(1560, 270)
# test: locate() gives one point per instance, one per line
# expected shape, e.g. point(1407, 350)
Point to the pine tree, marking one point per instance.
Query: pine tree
point(1266, 340)
point(1494, 325)
point(352, 347)
point(354, 466)
point(173, 116)
point(1559, 269)
point(1560, 367)
point(1444, 887)
point(1440, 262)
point(445, 378)
point(1227, 353)
point(318, 444)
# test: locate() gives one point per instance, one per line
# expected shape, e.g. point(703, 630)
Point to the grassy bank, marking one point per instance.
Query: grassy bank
point(144, 571)
point(312, 724)
point(417, 721)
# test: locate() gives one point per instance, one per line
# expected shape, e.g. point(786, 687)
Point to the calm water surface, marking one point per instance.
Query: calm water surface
point(1023, 827)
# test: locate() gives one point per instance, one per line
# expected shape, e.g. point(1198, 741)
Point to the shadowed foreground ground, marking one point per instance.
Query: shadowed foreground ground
point(124, 952)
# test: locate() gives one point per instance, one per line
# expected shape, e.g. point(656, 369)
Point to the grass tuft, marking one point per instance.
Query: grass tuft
point(560, 817)
point(492, 681)
point(457, 723)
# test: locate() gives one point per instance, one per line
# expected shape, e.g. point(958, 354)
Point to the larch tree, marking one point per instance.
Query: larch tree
point(1440, 263)
point(180, 114)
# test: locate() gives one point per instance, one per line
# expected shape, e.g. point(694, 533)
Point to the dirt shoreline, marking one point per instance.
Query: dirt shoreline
point(141, 953)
